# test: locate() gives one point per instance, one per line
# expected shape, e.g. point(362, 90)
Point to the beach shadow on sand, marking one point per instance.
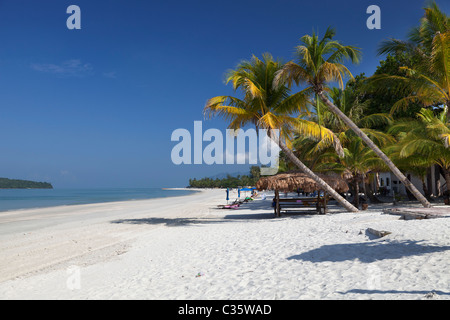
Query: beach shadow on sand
point(232, 215)
point(177, 222)
point(266, 207)
point(368, 252)
point(427, 294)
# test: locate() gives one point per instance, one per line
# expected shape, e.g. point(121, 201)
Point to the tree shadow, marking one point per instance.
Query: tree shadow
point(173, 222)
point(368, 252)
point(250, 216)
point(177, 222)
point(423, 292)
point(266, 206)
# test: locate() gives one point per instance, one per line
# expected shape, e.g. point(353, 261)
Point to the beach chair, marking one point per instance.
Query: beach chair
point(229, 206)
point(234, 205)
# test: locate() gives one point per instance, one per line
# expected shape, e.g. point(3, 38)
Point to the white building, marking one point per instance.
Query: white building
point(433, 181)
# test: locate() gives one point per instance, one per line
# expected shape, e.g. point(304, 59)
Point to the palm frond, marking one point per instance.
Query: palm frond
point(375, 119)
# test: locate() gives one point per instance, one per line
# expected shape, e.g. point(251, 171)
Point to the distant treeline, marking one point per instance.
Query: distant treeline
point(229, 181)
point(6, 183)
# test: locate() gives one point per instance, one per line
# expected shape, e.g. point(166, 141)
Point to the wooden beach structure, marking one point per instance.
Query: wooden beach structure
point(296, 180)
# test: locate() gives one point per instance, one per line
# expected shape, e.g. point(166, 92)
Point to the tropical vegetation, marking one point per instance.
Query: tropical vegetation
point(396, 120)
point(6, 183)
point(229, 181)
point(270, 107)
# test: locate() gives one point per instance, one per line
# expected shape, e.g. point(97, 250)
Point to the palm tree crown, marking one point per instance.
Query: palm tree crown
point(262, 105)
point(318, 62)
point(269, 107)
point(429, 47)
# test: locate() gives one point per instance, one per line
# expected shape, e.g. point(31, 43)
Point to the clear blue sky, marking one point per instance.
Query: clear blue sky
point(96, 107)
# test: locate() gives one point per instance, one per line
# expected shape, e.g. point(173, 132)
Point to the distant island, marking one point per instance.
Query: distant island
point(6, 183)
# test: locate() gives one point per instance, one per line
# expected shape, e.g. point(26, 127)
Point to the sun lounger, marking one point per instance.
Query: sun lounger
point(229, 206)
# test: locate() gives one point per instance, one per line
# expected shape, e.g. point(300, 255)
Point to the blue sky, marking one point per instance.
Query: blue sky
point(96, 107)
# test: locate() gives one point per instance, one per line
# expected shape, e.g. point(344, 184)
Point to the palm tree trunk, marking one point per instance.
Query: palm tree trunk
point(366, 195)
point(447, 178)
point(377, 151)
point(447, 103)
point(356, 197)
point(425, 188)
point(347, 205)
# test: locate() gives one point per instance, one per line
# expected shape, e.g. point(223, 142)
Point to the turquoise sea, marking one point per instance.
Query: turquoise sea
point(13, 199)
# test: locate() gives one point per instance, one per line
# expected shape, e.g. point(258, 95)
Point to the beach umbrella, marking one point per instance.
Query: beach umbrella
point(247, 189)
point(239, 193)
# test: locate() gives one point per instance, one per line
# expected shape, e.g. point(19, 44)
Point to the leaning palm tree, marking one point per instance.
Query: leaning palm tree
point(309, 146)
point(267, 107)
point(357, 163)
point(320, 62)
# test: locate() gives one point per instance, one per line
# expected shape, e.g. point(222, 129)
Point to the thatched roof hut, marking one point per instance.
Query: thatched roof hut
point(291, 181)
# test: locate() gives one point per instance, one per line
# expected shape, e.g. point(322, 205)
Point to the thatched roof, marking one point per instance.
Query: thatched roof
point(290, 181)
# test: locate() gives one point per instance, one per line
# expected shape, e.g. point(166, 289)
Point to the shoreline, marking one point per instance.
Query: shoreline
point(37, 239)
point(193, 191)
point(187, 248)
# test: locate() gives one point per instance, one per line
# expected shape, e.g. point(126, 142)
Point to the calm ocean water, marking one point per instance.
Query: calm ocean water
point(13, 199)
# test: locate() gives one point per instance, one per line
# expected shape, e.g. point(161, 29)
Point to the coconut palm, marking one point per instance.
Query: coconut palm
point(319, 62)
point(428, 45)
point(358, 161)
point(427, 139)
point(322, 157)
point(309, 146)
point(268, 107)
point(350, 105)
point(416, 164)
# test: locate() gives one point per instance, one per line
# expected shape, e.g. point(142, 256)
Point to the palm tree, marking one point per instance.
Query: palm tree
point(429, 47)
point(358, 161)
point(349, 104)
point(416, 164)
point(267, 107)
point(426, 140)
point(320, 62)
point(309, 145)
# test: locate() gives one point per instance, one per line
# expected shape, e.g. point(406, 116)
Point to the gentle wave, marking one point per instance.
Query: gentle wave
point(14, 199)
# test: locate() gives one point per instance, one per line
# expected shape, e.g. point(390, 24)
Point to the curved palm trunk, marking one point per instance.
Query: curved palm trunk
point(377, 151)
point(347, 205)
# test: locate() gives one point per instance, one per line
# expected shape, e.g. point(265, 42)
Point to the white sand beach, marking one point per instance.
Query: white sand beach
point(186, 248)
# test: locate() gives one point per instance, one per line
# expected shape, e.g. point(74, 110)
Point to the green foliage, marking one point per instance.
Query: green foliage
point(381, 99)
point(425, 139)
point(421, 68)
point(229, 181)
point(408, 94)
point(6, 183)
